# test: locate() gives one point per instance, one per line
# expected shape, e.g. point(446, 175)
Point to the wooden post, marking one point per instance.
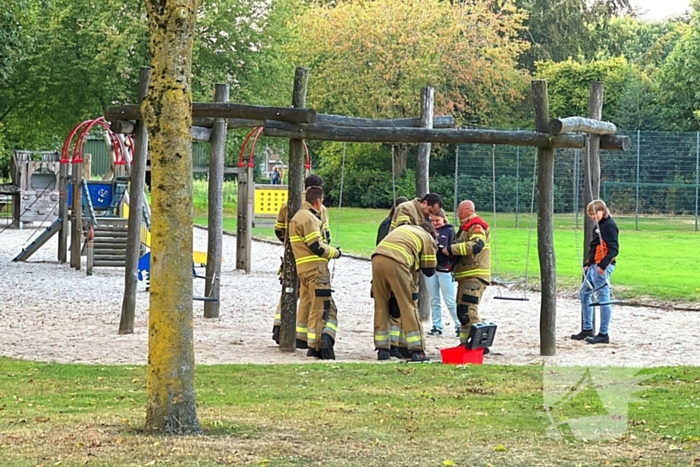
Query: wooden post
point(591, 162)
point(591, 168)
point(87, 166)
point(545, 225)
point(216, 208)
point(77, 209)
point(136, 202)
point(295, 183)
point(63, 212)
point(244, 223)
point(427, 104)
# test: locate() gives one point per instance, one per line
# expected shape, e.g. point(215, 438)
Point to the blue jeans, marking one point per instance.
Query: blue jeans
point(437, 283)
point(603, 295)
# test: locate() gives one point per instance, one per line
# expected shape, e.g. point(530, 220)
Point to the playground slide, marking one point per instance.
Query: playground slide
point(39, 242)
point(199, 257)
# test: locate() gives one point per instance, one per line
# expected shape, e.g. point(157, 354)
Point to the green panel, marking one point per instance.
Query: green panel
point(100, 162)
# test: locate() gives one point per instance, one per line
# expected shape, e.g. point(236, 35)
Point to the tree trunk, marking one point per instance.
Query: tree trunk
point(168, 118)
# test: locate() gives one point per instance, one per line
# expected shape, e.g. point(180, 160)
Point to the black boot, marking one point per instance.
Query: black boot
point(314, 353)
point(599, 339)
point(582, 335)
point(327, 347)
point(276, 334)
point(394, 352)
point(419, 356)
point(383, 354)
point(302, 344)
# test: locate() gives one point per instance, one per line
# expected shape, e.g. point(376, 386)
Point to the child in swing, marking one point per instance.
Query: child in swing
point(597, 269)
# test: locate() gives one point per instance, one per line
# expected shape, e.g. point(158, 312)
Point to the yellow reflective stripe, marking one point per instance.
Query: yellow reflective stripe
point(295, 239)
point(280, 225)
point(309, 259)
point(311, 336)
point(481, 236)
point(302, 330)
point(332, 326)
point(412, 339)
point(428, 257)
point(400, 220)
point(312, 236)
point(472, 272)
point(278, 316)
point(400, 249)
point(381, 337)
point(330, 252)
point(415, 238)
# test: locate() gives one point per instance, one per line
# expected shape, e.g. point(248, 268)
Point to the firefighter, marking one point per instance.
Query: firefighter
point(472, 251)
point(395, 265)
point(281, 232)
point(311, 255)
point(413, 212)
point(416, 211)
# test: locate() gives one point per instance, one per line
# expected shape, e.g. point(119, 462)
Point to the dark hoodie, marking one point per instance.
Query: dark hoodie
point(446, 236)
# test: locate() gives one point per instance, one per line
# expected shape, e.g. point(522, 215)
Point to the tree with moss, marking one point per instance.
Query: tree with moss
point(167, 114)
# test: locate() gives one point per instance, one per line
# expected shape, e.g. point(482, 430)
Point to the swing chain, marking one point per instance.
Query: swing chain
point(340, 206)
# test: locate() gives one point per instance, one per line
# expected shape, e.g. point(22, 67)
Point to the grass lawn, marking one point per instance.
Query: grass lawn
point(339, 415)
point(661, 260)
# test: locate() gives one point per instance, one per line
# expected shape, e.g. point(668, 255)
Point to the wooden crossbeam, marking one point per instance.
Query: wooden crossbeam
point(558, 126)
point(222, 110)
point(440, 135)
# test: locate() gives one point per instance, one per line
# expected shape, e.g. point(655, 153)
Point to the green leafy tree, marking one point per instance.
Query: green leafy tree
point(630, 96)
point(371, 59)
point(677, 81)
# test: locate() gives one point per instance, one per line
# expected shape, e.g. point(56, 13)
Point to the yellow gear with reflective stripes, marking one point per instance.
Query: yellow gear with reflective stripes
point(409, 245)
point(305, 229)
point(468, 264)
point(282, 220)
point(408, 213)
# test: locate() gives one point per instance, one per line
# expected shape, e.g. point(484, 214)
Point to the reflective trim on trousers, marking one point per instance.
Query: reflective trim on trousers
point(302, 331)
point(414, 340)
point(381, 339)
point(394, 333)
point(278, 320)
point(330, 327)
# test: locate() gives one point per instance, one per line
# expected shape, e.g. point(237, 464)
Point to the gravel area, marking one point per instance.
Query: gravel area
point(49, 312)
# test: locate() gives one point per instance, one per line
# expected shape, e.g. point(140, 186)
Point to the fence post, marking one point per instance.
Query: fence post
point(636, 195)
point(517, 184)
point(454, 213)
point(697, 175)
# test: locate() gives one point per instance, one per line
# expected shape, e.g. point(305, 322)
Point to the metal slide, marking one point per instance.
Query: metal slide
point(39, 242)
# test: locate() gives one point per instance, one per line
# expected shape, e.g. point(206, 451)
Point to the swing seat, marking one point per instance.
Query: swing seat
point(516, 299)
point(503, 283)
point(609, 302)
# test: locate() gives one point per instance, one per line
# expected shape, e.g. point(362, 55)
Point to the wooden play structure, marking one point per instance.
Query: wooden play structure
point(211, 121)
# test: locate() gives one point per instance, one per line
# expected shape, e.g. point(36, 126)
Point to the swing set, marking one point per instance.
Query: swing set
point(501, 283)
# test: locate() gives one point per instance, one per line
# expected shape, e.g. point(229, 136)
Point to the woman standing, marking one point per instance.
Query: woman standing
point(442, 281)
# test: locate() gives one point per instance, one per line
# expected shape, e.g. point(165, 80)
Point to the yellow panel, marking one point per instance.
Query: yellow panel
point(268, 200)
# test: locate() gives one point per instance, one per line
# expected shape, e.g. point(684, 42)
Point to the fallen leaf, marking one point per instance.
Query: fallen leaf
point(500, 448)
point(448, 462)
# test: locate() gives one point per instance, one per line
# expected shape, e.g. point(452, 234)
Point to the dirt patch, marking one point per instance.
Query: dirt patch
point(49, 312)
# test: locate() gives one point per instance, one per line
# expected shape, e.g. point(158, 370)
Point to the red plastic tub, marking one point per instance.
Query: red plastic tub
point(460, 355)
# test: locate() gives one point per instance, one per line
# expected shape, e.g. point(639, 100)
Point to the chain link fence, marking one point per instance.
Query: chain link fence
point(658, 177)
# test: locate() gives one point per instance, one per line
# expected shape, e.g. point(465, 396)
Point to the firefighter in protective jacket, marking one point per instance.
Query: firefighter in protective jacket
point(281, 233)
point(413, 212)
point(472, 250)
point(311, 255)
point(395, 265)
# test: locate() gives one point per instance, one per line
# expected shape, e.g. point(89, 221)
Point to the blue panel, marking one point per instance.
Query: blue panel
point(101, 193)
